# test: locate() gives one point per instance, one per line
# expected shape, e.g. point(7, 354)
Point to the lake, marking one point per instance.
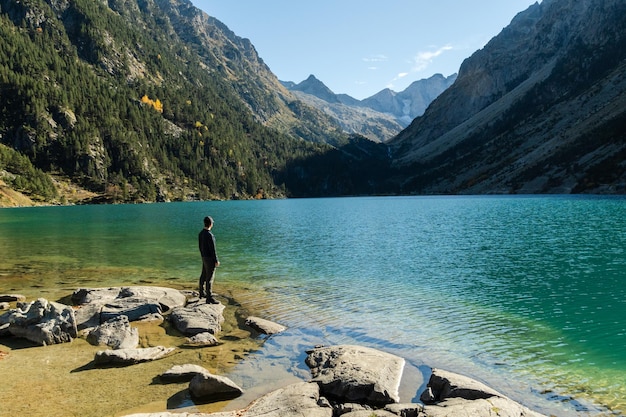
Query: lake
point(525, 293)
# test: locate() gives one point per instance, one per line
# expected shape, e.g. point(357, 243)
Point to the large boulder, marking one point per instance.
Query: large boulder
point(356, 374)
point(131, 356)
point(98, 305)
point(450, 394)
point(264, 326)
point(41, 321)
point(199, 318)
point(115, 333)
point(207, 385)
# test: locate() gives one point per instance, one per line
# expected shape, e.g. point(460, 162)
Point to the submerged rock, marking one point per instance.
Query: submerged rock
point(264, 326)
point(356, 374)
point(43, 322)
point(202, 340)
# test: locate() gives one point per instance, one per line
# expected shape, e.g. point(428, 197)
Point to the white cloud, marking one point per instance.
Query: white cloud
point(376, 58)
point(422, 60)
point(401, 75)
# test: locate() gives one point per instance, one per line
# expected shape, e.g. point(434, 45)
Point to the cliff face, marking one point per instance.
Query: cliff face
point(541, 108)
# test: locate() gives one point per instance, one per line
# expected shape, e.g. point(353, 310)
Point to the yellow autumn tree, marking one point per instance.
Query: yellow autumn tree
point(156, 104)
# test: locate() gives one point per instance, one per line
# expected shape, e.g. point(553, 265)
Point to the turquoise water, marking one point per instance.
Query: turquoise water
point(527, 294)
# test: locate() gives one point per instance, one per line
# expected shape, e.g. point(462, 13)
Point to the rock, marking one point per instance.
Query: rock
point(115, 333)
point(97, 305)
point(131, 356)
point(345, 408)
point(205, 385)
point(296, 400)
point(11, 298)
point(198, 319)
point(264, 326)
point(167, 298)
point(372, 413)
point(42, 322)
point(428, 396)
point(204, 339)
point(458, 395)
point(498, 406)
point(405, 410)
point(4, 305)
point(87, 316)
point(133, 308)
point(183, 373)
point(444, 384)
point(356, 374)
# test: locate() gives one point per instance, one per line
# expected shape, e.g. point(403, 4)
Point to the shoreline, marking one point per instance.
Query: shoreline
point(239, 356)
point(68, 383)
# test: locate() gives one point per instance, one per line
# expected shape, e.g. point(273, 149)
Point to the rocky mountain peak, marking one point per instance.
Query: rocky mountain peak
point(316, 88)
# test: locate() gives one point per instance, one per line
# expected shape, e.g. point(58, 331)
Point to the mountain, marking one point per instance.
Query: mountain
point(145, 100)
point(540, 109)
point(379, 117)
point(154, 100)
point(413, 101)
point(314, 87)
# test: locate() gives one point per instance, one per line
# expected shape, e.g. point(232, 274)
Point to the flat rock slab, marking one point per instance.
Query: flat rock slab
point(357, 374)
point(264, 326)
point(200, 318)
point(167, 298)
point(98, 305)
point(131, 356)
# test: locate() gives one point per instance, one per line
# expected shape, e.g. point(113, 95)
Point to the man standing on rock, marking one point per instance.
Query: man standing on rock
point(206, 243)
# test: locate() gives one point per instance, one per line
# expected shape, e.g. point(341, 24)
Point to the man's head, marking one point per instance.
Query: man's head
point(208, 222)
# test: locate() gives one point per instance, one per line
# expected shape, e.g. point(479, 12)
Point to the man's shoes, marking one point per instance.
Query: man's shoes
point(211, 300)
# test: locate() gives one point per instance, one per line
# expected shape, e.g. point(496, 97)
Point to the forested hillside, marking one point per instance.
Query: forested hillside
point(123, 99)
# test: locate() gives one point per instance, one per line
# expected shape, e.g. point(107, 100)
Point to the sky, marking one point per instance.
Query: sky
point(360, 47)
